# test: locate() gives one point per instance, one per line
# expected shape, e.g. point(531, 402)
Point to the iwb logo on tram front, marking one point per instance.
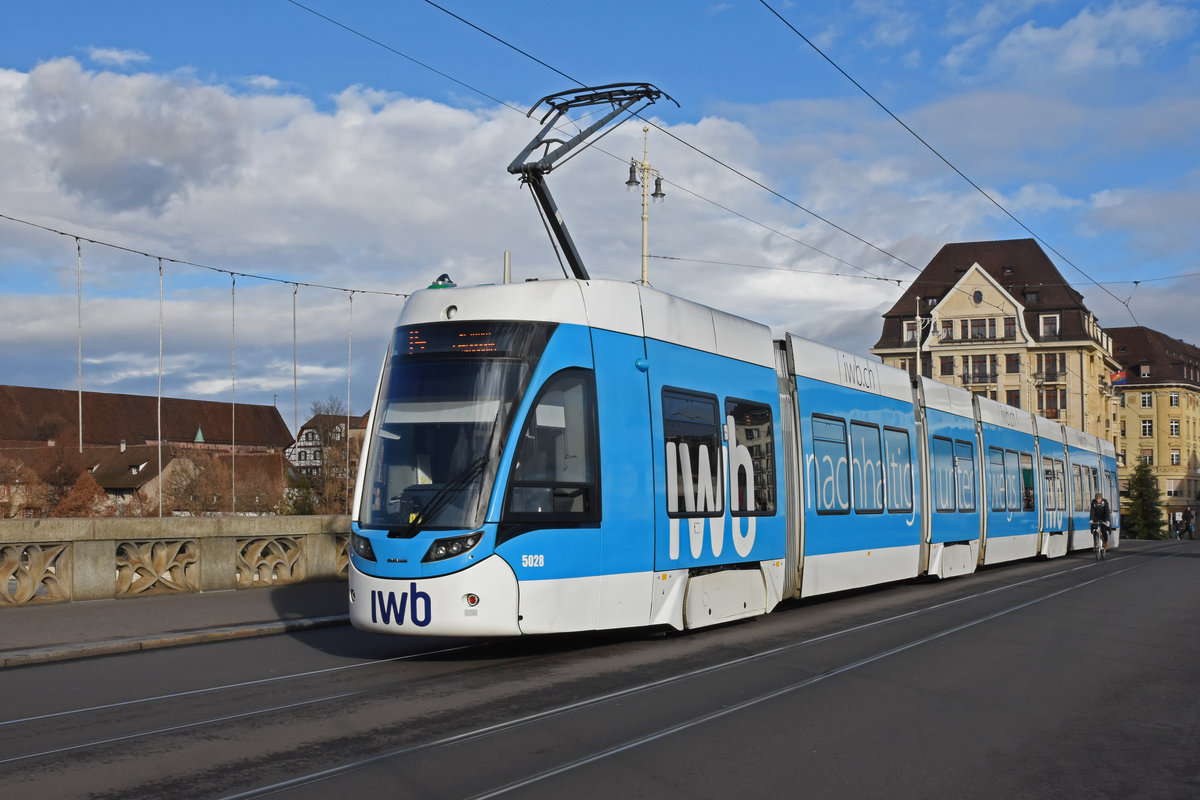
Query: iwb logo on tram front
point(389, 607)
point(700, 480)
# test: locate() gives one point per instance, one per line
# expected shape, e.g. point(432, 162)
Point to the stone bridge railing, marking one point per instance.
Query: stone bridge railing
point(60, 560)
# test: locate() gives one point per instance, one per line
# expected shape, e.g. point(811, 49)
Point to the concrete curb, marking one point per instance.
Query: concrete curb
point(69, 652)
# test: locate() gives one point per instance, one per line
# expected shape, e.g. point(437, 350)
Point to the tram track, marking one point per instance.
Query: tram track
point(408, 707)
point(591, 704)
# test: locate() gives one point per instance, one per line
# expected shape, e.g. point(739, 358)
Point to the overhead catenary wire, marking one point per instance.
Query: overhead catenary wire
point(698, 150)
point(941, 157)
point(948, 163)
point(186, 263)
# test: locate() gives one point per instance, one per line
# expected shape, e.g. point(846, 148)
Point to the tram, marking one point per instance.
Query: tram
point(580, 454)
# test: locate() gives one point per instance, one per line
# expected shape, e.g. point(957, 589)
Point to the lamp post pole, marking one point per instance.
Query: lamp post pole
point(639, 175)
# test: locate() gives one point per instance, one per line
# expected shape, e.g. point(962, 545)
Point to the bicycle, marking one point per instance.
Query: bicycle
point(1100, 540)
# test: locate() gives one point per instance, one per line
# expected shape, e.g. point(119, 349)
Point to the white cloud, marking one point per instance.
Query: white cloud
point(113, 57)
point(1120, 35)
point(383, 192)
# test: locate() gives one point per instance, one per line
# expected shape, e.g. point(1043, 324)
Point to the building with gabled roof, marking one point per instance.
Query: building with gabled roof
point(1160, 412)
point(205, 445)
point(998, 319)
point(36, 416)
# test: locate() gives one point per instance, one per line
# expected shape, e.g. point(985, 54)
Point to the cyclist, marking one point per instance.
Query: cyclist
point(1101, 522)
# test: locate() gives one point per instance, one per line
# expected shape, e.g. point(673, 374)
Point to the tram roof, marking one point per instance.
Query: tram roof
point(617, 306)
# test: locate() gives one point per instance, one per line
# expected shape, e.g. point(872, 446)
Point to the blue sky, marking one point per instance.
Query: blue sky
point(265, 139)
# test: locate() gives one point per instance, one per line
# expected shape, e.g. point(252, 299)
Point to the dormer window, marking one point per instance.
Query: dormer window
point(1049, 323)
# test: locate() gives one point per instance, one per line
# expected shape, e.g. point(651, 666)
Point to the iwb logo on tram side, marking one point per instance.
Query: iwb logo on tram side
point(703, 489)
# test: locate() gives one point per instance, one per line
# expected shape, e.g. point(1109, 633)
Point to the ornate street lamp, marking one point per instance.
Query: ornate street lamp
point(640, 173)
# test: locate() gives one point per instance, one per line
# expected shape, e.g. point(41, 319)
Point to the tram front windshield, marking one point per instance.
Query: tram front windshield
point(445, 408)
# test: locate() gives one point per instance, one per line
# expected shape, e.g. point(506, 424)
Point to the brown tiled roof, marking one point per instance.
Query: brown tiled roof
point(1171, 360)
point(114, 469)
point(36, 415)
point(1018, 265)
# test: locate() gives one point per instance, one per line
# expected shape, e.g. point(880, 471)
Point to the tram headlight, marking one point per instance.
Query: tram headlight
point(451, 547)
point(362, 547)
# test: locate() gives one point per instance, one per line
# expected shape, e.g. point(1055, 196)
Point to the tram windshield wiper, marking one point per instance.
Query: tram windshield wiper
point(435, 504)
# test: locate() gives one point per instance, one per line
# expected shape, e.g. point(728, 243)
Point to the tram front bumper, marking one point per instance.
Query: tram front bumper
point(478, 601)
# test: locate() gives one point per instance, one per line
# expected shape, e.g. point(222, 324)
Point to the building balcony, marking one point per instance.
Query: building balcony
point(1050, 413)
point(970, 378)
point(974, 338)
point(1052, 376)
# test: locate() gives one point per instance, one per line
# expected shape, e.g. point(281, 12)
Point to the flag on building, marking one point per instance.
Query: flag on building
point(1117, 378)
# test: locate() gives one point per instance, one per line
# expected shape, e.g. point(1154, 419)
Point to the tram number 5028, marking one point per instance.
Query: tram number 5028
point(537, 560)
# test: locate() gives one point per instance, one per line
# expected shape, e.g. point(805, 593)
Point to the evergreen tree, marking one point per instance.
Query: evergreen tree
point(1142, 516)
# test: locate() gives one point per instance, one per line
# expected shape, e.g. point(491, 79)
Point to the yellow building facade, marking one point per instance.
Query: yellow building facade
point(1160, 413)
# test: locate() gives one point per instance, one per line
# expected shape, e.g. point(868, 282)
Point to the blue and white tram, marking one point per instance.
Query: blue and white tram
point(580, 454)
point(1007, 453)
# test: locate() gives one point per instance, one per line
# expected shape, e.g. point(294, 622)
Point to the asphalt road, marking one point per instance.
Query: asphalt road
point(1061, 679)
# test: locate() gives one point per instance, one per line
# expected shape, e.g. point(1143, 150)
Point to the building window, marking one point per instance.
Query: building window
point(1012, 363)
point(1013, 397)
point(979, 329)
point(1031, 297)
point(965, 328)
point(1174, 399)
point(1148, 457)
point(910, 332)
point(947, 329)
point(1144, 371)
point(1010, 327)
point(1049, 325)
point(1174, 427)
point(1175, 458)
point(947, 365)
point(1147, 400)
point(1147, 427)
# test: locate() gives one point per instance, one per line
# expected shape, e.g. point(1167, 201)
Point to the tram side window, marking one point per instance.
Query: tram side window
point(1028, 492)
point(997, 485)
point(898, 483)
point(1012, 479)
point(1056, 495)
point(1051, 494)
point(964, 467)
point(1060, 483)
point(556, 470)
point(866, 468)
point(1077, 485)
point(751, 459)
point(942, 456)
point(831, 466)
point(692, 428)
